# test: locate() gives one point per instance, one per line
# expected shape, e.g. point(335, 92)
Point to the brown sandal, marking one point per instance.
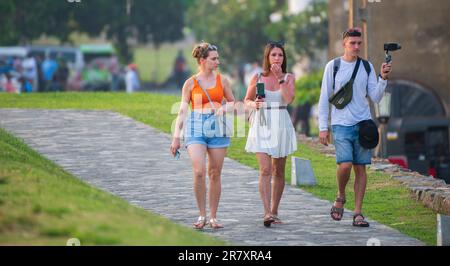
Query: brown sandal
point(336, 210)
point(360, 222)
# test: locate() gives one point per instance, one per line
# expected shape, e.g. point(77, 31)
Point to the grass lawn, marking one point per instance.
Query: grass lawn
point(41, 204)
point(386, 201)
point(157, 65)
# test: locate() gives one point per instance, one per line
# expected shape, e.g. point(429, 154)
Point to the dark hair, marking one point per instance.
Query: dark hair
point(202, 50)
point(352, 32)
point(266, 62)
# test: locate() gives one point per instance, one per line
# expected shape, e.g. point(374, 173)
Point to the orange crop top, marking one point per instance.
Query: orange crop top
point(216, 94)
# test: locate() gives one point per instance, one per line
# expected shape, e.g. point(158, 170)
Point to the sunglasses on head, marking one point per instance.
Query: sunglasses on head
point(352, 32)
point(276, 44)
point(212, 47)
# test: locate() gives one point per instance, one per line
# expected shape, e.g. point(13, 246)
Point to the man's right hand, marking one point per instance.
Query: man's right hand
point(323, 137)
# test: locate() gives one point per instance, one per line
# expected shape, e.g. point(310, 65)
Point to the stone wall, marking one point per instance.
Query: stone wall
point(420, 26)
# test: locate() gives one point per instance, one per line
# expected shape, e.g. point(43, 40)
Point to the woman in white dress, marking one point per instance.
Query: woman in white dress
point(271, 135)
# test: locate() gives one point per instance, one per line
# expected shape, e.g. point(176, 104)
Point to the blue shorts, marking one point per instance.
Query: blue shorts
point(348, 149)
point(201, 129)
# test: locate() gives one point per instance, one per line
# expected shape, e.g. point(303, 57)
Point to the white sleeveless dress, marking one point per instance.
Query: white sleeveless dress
point(276, 135)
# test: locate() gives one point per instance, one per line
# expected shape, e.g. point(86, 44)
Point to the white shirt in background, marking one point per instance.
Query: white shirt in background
point(132, 81)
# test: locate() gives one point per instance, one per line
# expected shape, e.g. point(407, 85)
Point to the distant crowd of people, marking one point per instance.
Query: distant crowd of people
point(32, 74)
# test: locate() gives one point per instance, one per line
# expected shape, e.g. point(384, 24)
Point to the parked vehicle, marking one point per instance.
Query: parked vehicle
point(16, 51)
point(102, 70)
point(417, 134)
point(72, 55)
point(91, 52)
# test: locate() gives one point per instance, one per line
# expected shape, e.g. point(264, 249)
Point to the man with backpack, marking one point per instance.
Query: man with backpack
point(347, 83)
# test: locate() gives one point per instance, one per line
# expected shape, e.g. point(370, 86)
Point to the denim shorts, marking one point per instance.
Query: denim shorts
point(201, 129)
point(348, 149)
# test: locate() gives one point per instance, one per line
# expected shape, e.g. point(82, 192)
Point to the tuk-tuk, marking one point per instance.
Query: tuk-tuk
point(417, 134)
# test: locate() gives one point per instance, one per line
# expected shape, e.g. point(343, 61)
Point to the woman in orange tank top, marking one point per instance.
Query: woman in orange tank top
point(200, 129)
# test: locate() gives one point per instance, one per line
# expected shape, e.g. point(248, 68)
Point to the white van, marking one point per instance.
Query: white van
point(16, 51)
point(72, 55)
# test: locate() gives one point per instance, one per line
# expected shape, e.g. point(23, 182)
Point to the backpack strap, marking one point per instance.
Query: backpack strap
point(336, 65)
point(355, 71)
point(368, 70)
point(366, 66)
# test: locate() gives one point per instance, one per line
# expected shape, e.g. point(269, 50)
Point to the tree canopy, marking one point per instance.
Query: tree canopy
point(25, 20)
point(241, 28)
point(147, 21)
point(235, 26)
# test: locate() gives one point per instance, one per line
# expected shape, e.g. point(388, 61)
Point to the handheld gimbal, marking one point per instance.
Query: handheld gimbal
point(391, 47)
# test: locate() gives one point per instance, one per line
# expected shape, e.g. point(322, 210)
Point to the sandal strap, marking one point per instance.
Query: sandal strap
point(201, 220)
point(269, 218)
point(360, 223)
point(276, 219)
point(340, 200)
point(337, 210)
point(200, 223)
point(214, 223)
point(358, 215)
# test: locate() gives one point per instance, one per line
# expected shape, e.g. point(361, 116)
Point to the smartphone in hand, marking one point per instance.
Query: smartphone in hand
point(260, 90)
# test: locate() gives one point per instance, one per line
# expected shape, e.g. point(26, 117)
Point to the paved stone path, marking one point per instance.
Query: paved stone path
point(131, 160)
